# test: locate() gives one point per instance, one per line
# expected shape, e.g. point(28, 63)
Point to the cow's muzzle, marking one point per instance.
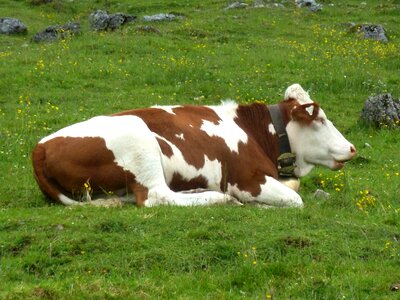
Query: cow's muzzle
point(339, 164)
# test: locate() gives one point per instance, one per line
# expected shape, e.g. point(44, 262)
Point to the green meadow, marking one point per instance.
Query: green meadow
point(344, 247)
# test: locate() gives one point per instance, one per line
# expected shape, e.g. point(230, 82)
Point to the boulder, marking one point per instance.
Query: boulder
point(57, 32)
point(312, 5)
point(101, 20)
point(161, 17)
point(12, 26)
point(375, 32)
point(118, 19)
point(255, 4)
point(237, 4)
point(382, 111)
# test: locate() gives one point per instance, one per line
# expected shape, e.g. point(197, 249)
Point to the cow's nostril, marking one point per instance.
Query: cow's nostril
point(353, 149)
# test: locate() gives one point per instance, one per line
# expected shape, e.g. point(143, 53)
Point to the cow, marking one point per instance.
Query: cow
point(192, 155)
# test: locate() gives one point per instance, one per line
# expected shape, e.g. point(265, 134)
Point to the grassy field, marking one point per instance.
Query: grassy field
point(345, 247)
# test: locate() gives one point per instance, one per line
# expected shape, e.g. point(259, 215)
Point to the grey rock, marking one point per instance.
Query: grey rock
point(119, 19)
point(321, 194)
point(101, 20)
point(382, 111)
point(12, 26)
point(57, 32)
point(255, 4)
point(161, 17)
point(279, 5)
point(237, 4)
point(312, 5)
point(375, 32)
point(261, 4)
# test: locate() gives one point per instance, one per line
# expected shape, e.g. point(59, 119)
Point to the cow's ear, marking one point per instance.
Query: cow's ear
point(305, 113)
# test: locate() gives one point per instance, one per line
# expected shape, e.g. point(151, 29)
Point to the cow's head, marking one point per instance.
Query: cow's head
point(313, 138)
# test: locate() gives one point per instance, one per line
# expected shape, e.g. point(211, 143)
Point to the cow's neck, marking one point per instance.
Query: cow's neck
point(256, 120)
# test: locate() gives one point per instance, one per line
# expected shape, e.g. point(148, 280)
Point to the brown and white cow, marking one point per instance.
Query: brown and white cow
point(221, 154)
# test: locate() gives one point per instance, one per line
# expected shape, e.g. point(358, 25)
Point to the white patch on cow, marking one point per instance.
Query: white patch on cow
point(180, 136)
point(271, 129)
point(226, 128)
point(168, 109)
point(295, 91)
point(211, 170)
point(272, 193)
point(229, 102)
point(310, 110)
point(82, 129)
point(67, 201)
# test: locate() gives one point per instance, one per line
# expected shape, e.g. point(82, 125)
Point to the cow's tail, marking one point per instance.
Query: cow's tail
point(50, 189)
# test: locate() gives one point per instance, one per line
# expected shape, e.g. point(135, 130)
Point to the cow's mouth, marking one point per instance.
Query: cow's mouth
point(339, 164)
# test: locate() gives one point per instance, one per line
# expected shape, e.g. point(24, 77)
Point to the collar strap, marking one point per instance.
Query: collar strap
point(280, 129)
point(286, 159)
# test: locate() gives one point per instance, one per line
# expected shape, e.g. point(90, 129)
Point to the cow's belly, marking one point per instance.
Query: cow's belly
point(181, 176)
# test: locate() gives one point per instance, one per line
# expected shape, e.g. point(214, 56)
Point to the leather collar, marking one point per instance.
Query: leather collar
point(286, 159)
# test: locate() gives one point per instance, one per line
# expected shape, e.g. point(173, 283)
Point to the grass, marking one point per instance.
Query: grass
point(346, 247)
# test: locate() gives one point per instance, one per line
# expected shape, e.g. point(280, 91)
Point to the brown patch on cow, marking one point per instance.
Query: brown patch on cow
point(255, 120)
point(178, 183)
point(301, 115)
point(258, 157)
point(165, 148)
point(71, 162)
point(141, 193)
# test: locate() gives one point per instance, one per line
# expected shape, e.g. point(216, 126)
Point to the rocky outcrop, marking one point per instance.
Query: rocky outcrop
point(382, 111)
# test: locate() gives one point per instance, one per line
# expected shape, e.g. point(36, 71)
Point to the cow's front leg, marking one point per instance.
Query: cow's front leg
point(272, 193)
